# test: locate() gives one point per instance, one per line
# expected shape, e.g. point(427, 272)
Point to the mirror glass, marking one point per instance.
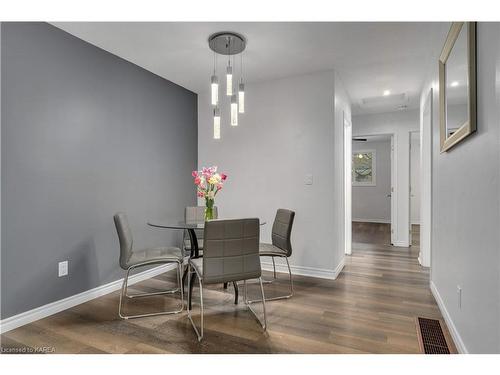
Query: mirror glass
point(457, 84)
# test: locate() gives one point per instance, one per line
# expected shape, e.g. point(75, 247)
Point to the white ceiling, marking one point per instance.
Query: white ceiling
point(370, 57)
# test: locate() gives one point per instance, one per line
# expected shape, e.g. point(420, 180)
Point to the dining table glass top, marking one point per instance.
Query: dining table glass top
point(180, 224)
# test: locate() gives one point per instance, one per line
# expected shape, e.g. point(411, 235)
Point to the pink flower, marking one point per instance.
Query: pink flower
point(197, 180)
point(206, 173)
point(194, 173)
point(223, 176)
point(200, 194)
point(219, 186)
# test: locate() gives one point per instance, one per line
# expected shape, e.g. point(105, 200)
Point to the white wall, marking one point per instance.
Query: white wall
point(466, 209)
point(370, 203)
point(400, 124)
point(286, 133)
point(415, 178)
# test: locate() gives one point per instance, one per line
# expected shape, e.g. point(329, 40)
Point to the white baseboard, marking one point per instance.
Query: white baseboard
point(66, 303)
point(379, 221)
point(449, 322)
point(322, 273)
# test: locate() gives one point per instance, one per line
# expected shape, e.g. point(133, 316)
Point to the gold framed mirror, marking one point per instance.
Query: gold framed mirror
point(457, 85)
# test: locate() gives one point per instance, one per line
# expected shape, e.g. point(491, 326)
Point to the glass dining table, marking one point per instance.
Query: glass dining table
point(190, 227)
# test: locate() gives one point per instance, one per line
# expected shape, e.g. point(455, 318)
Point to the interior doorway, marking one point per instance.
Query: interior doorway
point(372, 189)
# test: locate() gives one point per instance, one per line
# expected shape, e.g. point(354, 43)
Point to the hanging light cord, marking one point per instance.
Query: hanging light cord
point(215, 61)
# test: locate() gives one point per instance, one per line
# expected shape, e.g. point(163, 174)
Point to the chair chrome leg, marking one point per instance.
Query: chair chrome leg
point(171, 291)
point(179, 280)
point(264, 281)
point(263, 300)
point(263, 304)
point(124, 290)
point(290, 275)
point(124, 294)
point(291, 286)
point(199, 334)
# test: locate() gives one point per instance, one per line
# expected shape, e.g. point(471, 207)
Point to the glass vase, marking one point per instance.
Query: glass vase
point(209, 209)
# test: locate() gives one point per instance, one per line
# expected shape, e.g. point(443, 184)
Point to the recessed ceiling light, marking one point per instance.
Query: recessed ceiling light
point(387, 92)
point(454, 84)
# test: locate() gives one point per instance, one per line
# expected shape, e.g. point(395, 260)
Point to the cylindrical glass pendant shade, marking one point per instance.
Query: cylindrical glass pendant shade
point(229, 81)
point(241, 98)
point(234, 111)
point(215, 90)
point(216, 123)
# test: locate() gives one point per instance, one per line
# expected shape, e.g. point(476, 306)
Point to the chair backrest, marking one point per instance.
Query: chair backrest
point(282, 230)
point(231, 250)
point(125, 238)
point(196, 214)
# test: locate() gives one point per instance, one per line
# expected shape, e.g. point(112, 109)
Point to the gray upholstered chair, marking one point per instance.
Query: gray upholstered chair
point(281, 245)
point(195, 215)
point(231, 254)
point(131, 259)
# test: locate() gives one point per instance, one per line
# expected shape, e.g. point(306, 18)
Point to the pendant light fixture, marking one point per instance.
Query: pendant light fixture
point(215, 84)
point(241, 98)
point(229, 79)
point(234, 111)
point(241, 90)
point(216, 123)
point(228, 44)
point(215, 90)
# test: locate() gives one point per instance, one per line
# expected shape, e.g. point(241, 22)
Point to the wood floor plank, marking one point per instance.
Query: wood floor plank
point(370, 308)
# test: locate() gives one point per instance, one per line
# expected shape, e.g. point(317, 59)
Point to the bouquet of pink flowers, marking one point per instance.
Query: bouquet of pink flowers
point(208, 183)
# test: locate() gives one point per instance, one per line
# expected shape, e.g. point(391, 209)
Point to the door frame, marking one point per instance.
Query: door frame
point(426, 154)
point(410, 184)
point(347, 186)
point(394, 200)
point(348, 197)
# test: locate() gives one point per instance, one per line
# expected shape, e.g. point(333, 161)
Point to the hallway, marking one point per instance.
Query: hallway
point(395, 286)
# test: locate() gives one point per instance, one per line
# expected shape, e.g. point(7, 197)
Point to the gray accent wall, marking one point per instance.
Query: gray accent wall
point(84, 134)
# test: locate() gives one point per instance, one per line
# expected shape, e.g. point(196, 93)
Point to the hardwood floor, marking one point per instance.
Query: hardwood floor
point(370, 308)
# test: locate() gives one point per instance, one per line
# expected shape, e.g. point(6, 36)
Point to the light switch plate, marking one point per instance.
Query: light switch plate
point(308, 179)
point(63, 268)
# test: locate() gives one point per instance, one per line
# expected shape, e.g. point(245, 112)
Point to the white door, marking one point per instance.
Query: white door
point(347, 185)
point(392, 194)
